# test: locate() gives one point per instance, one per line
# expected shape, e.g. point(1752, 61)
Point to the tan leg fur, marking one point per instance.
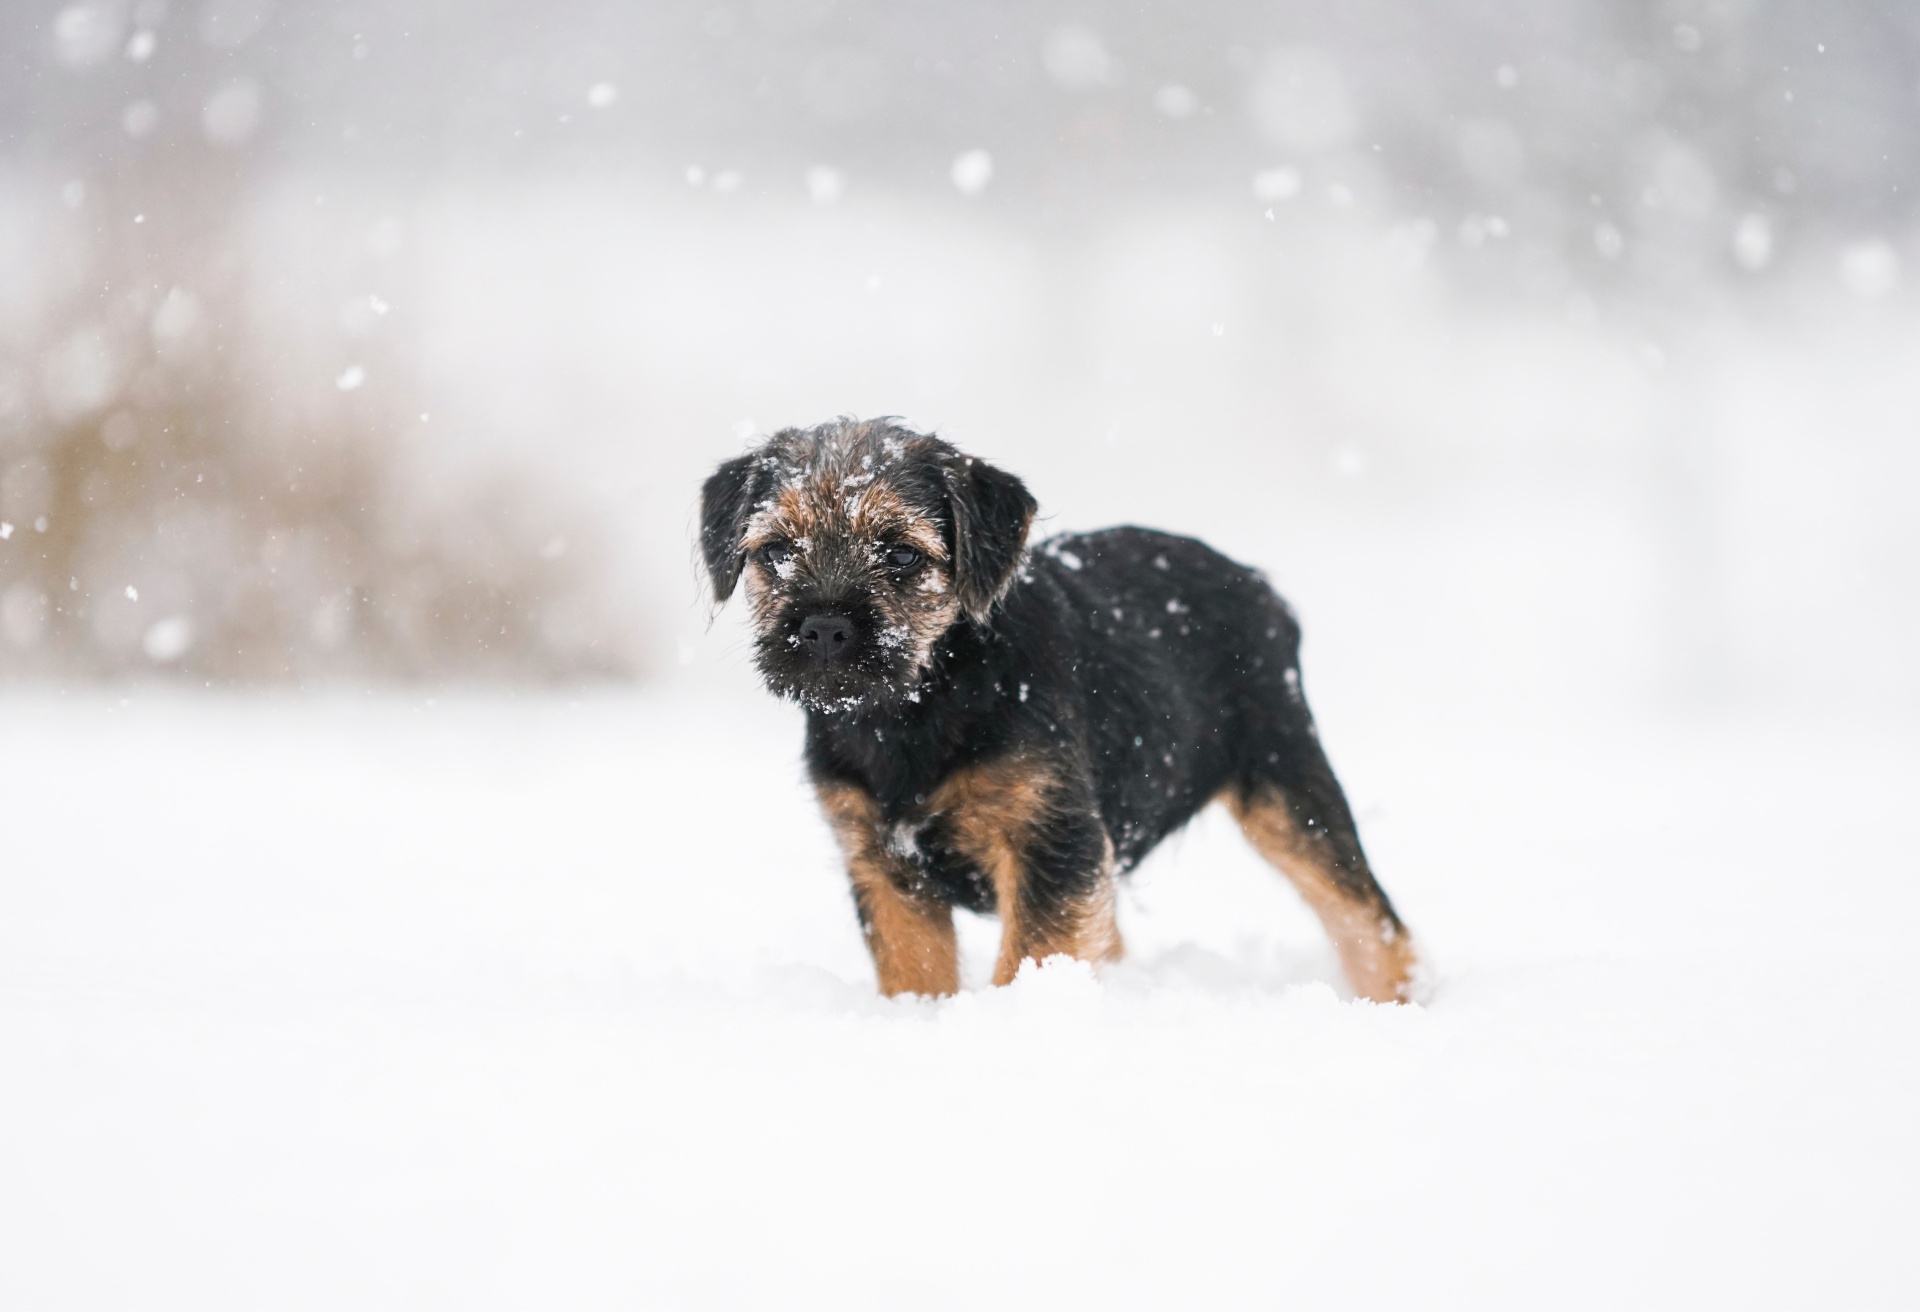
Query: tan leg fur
point(994, 811)
point(911, 939)
point(1377, 954)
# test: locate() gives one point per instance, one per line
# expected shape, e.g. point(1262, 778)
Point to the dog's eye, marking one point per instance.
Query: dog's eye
point(775, 554)
point(901, 558)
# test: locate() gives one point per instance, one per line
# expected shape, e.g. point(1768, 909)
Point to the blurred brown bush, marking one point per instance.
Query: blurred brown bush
point(174, 497)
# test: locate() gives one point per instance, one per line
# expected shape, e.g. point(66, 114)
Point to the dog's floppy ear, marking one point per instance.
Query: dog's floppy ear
point(991, 511)
point(726, 503)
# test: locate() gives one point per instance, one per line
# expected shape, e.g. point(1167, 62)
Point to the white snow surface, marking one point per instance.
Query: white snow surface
point(560, 1002)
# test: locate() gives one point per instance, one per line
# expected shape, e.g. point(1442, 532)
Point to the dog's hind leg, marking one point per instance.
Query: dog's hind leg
point(909, 933)
point(1296, 816)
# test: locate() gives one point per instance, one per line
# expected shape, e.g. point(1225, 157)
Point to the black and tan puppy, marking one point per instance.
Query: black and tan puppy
point(1010, 730)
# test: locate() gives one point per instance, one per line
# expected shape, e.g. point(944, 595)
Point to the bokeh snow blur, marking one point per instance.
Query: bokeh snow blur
point(1551, 352)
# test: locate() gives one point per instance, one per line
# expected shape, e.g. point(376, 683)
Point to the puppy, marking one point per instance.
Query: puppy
point(1010, 730)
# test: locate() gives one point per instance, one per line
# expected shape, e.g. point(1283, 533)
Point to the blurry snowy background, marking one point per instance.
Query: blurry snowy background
point(474, 943)
point(1544, 349)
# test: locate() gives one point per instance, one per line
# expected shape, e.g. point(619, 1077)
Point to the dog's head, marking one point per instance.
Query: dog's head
point(860, 544)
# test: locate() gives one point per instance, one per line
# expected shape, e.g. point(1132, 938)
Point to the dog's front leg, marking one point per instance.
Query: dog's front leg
point(909, 934)
point(1030, 827)
point(1050, 906)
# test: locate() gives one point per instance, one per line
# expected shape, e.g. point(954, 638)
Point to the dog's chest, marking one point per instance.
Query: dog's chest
point(922, 839)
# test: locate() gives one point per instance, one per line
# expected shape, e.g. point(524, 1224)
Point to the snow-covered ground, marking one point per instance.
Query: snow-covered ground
point(554, 1001)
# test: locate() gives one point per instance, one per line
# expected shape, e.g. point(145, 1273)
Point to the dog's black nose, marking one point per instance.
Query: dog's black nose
point(827, 638)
